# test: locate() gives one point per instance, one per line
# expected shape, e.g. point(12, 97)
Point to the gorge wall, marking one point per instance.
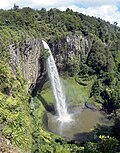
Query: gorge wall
point(28, 57)
point(71, 49)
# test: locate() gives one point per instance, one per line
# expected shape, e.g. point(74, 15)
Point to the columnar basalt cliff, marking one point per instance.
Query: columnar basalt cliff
point(73, 46)
point(27, 58)
point(70, 52)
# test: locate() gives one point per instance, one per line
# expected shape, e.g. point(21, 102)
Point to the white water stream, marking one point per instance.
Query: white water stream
point(59, 95)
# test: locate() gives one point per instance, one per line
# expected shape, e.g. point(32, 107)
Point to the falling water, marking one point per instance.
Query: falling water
point(59, 95)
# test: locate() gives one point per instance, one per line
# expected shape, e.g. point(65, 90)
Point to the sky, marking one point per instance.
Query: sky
point(108, 10)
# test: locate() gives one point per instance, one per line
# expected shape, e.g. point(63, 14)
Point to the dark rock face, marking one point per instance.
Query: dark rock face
point(27, 58)
point(90, 106)
point(73, 45)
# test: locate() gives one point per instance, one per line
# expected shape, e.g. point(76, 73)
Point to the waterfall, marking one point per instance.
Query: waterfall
point(59, 95)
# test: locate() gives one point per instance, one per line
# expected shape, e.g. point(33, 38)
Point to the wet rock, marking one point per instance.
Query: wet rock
point(90, 106)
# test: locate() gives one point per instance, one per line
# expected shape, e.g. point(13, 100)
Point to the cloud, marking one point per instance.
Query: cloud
point(8, 4)
point(99, 2)
point(55, 3)
point(85, 3)
point(66, 3)
point(5, 4)
point(106, 12)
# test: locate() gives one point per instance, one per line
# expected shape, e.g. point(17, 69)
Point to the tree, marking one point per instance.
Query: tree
point(115, 23)
point(16, 7)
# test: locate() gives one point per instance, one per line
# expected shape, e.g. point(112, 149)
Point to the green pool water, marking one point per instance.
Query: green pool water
point(84, 123)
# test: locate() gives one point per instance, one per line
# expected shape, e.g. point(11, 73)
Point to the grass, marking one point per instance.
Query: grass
point(48, 95)
point(75, 93)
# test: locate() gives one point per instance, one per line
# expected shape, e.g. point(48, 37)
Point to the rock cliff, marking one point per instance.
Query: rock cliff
point(74, 47)
point(68, 51)
point(27, 58)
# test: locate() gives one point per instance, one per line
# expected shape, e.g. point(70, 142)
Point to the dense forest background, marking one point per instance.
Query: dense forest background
point(19, 112)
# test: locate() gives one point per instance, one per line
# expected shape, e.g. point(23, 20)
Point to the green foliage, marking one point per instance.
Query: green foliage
point(106, 144)
point(53, 22)
point(47, 142)
point(45, 54)
point(99, 58)
point(14, 109)
point(72, 65)
point(116, 127)
point(21, 121)
point(106, 90)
